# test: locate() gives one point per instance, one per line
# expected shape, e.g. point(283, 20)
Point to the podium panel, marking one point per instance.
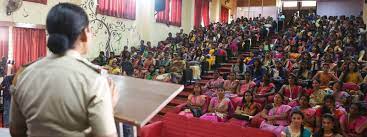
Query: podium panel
point(4, 132)
point(140, 100)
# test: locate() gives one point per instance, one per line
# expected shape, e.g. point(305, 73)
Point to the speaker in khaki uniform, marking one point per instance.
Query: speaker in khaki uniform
point(63, 94)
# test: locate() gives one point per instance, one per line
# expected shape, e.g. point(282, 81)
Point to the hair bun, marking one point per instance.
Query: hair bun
point(58, 43)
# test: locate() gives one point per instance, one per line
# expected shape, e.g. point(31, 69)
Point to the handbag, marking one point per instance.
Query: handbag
point(242, 117)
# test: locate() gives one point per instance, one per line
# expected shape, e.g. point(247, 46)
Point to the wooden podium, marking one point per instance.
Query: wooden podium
point(140, 100)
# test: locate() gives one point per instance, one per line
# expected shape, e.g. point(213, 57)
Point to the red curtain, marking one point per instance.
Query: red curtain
point(129, 9)
point(117, 8)
point(110, 7)
point(224, 15)
point(176, 13)
point(205, 12)
point(4, 41)
point(163, 16)
point(28, 45)
point(38, 1)
point(197, 13)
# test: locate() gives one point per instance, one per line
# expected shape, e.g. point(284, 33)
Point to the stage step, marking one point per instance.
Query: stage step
point(184, 94)
point(166, 109)
point(224, 69)
point(227, 64)
point(232, 61)
point(207, 77)
point(156, 118)
point(203, 82)
point(177, 101)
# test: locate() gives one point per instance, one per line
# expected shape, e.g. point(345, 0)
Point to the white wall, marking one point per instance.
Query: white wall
point(255, 11)
point(30, 12)
point(125, 32)
point(143, 28)
point(339, 7)
point(215, 9)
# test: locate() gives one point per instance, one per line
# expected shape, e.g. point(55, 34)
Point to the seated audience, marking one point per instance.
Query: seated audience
point(276, 117)
point(212, 85)
point(296, 127)
point(325, 76)
point(195, 103)
point(354, 123)
point(328, 107)
point(245, 110)
point(329, 127)
point(231, 85)
point(218, 108)
point(292, 91)
point(308, 112)
point(265, 89)
point(317, 95)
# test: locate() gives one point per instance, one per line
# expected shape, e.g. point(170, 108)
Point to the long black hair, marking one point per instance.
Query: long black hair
point(324, 108)
point(347, 70)
point(333, 120)
point(64, 24)
point(252, 97)
point(303, 116)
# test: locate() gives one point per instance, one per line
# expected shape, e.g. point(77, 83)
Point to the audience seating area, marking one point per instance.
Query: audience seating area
point(253, 78)
point(194, 127)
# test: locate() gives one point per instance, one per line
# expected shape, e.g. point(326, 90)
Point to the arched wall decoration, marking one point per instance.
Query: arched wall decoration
point(113, 30)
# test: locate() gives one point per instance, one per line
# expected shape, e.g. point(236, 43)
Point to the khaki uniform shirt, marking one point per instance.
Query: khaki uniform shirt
point(62, 97)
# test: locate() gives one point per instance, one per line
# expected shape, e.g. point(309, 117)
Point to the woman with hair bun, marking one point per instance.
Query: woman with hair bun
point(64, 94)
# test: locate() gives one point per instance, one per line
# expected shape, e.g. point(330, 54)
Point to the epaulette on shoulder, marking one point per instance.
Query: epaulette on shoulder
point(94, 67)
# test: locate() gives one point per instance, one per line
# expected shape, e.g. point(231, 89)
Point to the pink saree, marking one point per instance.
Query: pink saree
point(196, 101)
point(212, 85)
point(278, 125)
point(351, 127)
point(217, 116)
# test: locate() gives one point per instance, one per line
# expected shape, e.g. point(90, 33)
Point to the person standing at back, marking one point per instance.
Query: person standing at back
point(63, 94)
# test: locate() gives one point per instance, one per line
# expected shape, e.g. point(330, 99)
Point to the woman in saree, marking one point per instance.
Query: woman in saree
point(317, 95)
point(315, 57)
point(291, 91)
point(231, 85)
point(329, 127)
point(211, 59)
point(296, 127)
point(234, 46)
point(137, 61)
point(276, 117)
point(268, 60)
point(351, 76)
point(354, 123)
point(212, 85)
point(218, 108)
point(338, 92)
point(149, 61)
point(247, 86)
point(114, 69)
point(328, 107)
point(325, 76)
point(265, 89)
point(139, 73)
point(195, 103)
point(247, 107)
point(195, 63)
point(257, 70)
point(309, 113)
point(151, 72)
point(303, 72)
point(162, 75)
